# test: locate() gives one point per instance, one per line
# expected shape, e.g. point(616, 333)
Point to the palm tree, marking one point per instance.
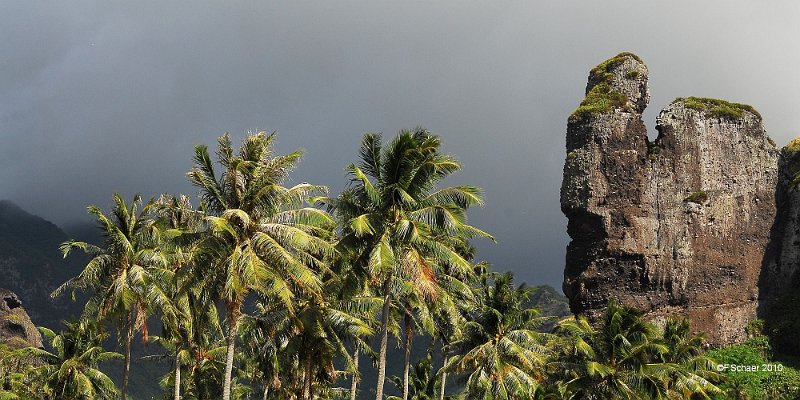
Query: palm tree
point(423, 381)
point(500, 350)
point(398, 228)
point(619, 360)
point(122, 271)
point(295, 353)
point(70, 370)
point(266, 337)
point(438, 316)
point(260, 238)
point(691, 372)
point(178, 243)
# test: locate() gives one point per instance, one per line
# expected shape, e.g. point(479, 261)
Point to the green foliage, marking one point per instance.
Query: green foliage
point(17, 379)
point(261, 237)
point(773, 379)
point(793, 146)
point(500, 351)
point(403, 235)
point(698, 197)
point(601, 98)
point(425, 383)
point(754, 328)
point(718, 108)
point(790, 155)
point(627, 357)
point(69, 371)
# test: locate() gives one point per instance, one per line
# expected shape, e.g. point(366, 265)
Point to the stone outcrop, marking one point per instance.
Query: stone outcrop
point(16, 328)
point(681, 226)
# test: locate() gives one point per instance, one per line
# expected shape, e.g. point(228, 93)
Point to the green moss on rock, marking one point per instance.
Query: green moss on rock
point(793, 146)
point(791, 158)
point(699, 197)
point(600, 98)
point(718, 108)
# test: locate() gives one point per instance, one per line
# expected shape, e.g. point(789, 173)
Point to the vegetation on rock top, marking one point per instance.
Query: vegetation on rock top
point(600, 98)
point(791, 161)
point(717, 108)
point(793, 146)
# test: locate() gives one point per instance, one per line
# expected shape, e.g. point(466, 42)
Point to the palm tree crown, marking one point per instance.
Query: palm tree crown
point(399, 230)
point(260, 236)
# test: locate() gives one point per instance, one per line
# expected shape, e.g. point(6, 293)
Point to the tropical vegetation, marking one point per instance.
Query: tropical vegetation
point(268, 289)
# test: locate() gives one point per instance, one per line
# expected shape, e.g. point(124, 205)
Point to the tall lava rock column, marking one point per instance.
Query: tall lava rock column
point(679, 226)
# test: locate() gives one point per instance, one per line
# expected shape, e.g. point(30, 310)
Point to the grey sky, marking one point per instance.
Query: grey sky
point(98, 97)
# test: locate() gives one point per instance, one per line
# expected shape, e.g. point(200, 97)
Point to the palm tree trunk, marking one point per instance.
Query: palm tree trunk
point(407, 355)
point(444, 380)
point(234, 312)
point(177, 395)
point(387, 300)
point(126, 371)
point(354, 386)
point(307, 380)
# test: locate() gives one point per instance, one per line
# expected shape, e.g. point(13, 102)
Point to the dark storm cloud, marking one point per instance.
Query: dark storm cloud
point(96, 98)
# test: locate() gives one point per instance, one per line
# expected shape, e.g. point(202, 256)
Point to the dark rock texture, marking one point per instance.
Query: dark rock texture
point(681, 226)
point(16, 328)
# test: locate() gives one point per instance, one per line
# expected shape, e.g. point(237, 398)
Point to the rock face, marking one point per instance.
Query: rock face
point(780, 275)
point(16, 328)
point(680, 226)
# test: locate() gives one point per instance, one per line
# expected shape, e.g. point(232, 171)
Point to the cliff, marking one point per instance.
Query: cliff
point(688, 225)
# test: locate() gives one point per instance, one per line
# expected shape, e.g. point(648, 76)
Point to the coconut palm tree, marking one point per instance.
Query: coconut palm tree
point(179, 222)
point(70, 371)
point(690, 371)
point(296, 352)
point(619, 360)
point(500, 353)
point(265, 335)
point(261, 238)
point(423, 383)
point(122, 273)
point(397, 226)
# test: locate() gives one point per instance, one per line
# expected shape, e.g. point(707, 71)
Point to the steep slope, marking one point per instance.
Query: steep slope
point(680, 226)
point(31, 265)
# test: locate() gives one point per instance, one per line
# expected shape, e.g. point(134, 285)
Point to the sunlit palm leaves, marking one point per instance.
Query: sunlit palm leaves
point(499, 354)
point(261, 237)
point(627, 357)
point(70, 371)
point(397, 228)
point(124, 271)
